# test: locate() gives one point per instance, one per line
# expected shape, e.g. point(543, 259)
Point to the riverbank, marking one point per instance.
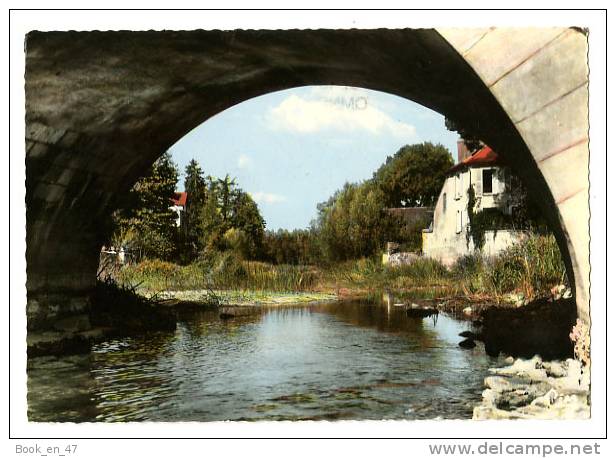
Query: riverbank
point(245, 298)
point(521, 274)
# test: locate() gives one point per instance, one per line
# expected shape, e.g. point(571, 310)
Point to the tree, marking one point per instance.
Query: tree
point(414, 176)
point(248, 219)
point(144, 222)
point(211, 220)
point(353, 223)
point(298, 247)
point(227, 208)
point(195, 187)
point(226, 193)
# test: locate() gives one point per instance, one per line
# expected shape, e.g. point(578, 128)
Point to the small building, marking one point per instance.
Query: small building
point(178, 205)
point(484, 177)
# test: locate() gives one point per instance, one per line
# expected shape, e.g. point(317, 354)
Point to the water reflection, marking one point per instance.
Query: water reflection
point(352, 360)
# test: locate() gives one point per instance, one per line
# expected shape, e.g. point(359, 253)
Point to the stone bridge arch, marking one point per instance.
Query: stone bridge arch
point(102, 106)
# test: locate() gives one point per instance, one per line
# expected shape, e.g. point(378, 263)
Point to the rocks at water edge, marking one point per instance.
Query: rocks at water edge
point(468, 344)
point(536, 389)
point(540, 327)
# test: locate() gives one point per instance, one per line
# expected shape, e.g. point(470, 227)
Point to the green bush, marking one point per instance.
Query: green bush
point(531, 267)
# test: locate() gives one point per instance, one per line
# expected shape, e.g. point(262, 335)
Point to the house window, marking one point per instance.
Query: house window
point(487, 181)
point(458, 186)
point(458, 222)
point(444, 202)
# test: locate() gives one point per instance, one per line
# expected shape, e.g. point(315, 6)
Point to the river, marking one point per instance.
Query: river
point(346, 360)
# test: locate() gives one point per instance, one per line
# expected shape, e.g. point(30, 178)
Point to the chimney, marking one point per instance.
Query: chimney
point(463, 151)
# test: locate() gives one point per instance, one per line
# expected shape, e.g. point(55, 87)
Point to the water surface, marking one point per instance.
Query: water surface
point(348, 360)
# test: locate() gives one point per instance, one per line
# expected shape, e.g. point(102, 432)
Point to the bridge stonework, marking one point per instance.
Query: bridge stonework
point(102, 106)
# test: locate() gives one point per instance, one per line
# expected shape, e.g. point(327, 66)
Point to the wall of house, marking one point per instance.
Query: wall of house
point(178, 210)
point(447, 240)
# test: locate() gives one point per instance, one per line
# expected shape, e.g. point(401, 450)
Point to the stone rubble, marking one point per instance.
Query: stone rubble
point(536, 389)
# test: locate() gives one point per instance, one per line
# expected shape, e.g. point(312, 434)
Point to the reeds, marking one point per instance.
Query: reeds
point(531, 268)
point(224, 272)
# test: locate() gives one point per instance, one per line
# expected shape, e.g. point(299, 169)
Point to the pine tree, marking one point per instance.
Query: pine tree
point(195, 187)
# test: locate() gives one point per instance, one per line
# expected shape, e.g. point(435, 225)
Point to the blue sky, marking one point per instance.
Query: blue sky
point(293, 149)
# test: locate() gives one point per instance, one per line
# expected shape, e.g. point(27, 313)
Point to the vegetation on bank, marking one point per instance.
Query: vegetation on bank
point(221, 271)
point(222, 243)
point(531, 268)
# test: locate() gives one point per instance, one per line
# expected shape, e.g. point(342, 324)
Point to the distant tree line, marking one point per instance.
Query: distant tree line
point(220, 216)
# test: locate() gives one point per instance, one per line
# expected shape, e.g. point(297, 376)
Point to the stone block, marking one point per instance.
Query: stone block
point(44, 134)
point(37, 150)
point(548, 75)
point(503, 49)
point(73, 323)
point(68, 140)
point(566, 172)
point(51, 193)
point(462, 39)
point(66, 176)
point(558, 125)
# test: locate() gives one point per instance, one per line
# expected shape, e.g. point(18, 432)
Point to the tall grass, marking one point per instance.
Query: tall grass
point(531, 267)
point(369, 273)
point(223, 272)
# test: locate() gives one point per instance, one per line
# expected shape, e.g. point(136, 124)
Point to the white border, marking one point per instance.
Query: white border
point(22, 22)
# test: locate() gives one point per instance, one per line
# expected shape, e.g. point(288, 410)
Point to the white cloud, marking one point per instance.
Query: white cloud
point(267, 198)
point(244, 161)
point(335, 109)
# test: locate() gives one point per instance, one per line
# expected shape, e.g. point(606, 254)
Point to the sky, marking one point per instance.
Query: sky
point(293, 149)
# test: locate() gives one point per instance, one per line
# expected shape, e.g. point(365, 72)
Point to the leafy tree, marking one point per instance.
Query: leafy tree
point(144, 221)
point(414, 176)
point(353, 223)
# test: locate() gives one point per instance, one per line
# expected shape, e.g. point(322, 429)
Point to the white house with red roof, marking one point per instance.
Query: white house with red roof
point(484, 171)
point(178, 205)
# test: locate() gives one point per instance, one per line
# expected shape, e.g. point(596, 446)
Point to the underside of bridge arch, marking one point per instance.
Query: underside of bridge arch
point(102, 106)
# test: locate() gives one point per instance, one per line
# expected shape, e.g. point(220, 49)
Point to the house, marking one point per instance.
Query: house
point(483, 177)
point(178, 205)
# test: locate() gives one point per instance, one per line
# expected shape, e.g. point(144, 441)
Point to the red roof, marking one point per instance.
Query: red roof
point(485, 156)
point(179, 199)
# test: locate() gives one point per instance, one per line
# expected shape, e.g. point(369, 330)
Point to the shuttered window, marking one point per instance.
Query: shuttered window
point(458, 222)
point(458, 181)
point(487, 175)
